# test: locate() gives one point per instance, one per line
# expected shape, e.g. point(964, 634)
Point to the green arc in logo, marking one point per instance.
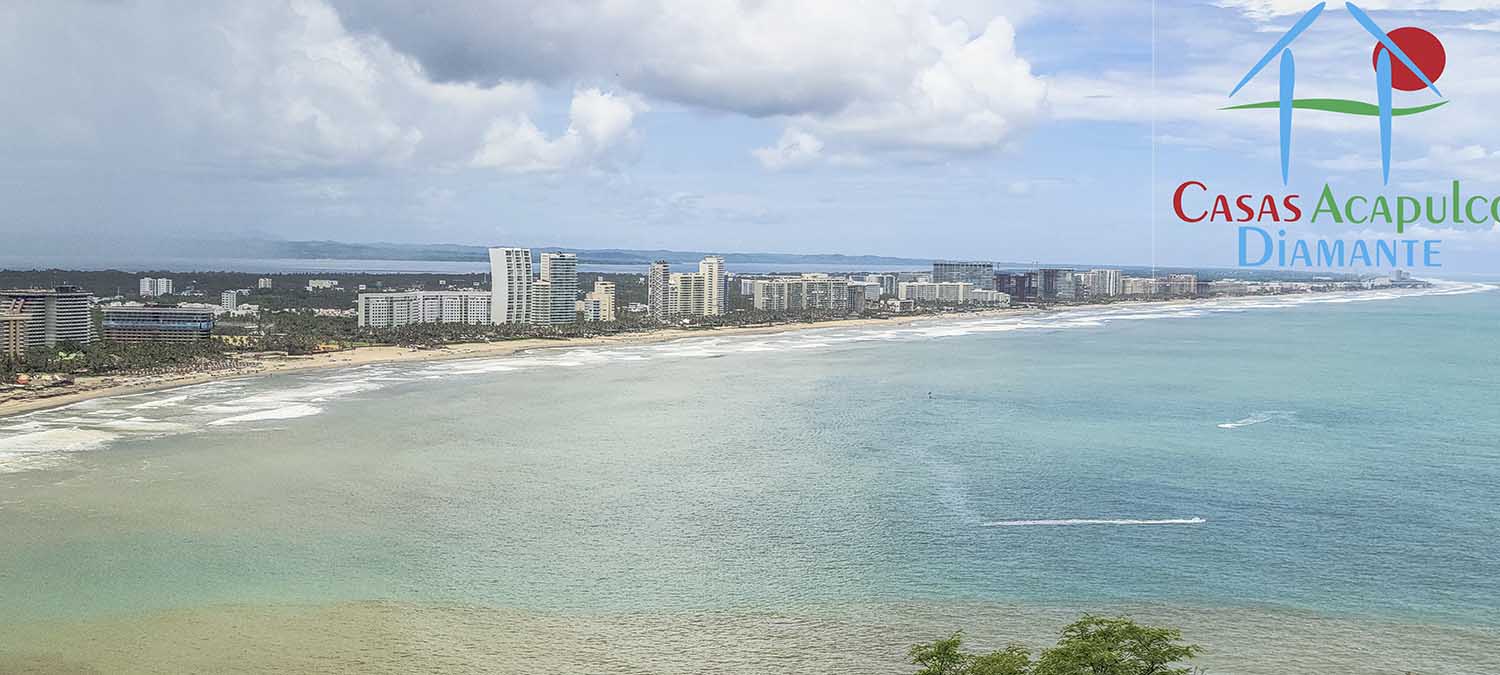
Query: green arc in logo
point(1338, 105)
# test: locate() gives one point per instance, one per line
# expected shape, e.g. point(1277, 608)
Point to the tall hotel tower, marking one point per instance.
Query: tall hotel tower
point(510, 285)
point(714, 285)
point(560, 270)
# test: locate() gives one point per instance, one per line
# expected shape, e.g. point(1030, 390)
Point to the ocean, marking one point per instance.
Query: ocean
point(1299, 483)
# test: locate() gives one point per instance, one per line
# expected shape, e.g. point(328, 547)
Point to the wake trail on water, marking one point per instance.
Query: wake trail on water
point(1092, 521)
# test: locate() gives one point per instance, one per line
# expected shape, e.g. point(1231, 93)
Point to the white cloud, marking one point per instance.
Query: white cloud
point(973, 97)
point(266, 86)
point(598, 123)
point(903, 78)
point(794, 148)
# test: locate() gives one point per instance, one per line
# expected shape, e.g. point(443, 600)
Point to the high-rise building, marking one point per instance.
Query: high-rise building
point(659, 301)
point(263, 282)
point(387, 310)
point(560, 271)
point(954, 292)
point(887, 283)
point(603, 302)
point(541, 302)
point(1182, 285)
point(1018, 285)
point(157, 323)
point(510, 285)
point(12, 329)
point(807, 293)
point(714, 285)
point(1138, 286)
point(1103, 283)
point(1055, 284)
point(977, 274)
point(151, 288)
point(229, 300)
point(689, 293)
point(54, 315)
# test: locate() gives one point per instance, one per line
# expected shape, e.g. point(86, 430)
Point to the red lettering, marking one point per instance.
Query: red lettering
point(1177, 201)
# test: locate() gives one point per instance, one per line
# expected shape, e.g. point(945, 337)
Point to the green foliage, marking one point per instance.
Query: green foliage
point(946, 657)
point(1090, 646)
point(99, 358)
point(1115, 646)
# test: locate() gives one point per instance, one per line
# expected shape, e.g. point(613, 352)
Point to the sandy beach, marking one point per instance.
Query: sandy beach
point(90, 387)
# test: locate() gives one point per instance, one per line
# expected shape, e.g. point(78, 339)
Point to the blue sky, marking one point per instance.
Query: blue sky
point(1012, 131)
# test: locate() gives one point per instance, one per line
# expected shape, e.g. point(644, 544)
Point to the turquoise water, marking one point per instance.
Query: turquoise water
point(1310, 475)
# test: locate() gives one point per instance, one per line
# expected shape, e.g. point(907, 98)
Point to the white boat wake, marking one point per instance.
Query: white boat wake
point(1092, 521)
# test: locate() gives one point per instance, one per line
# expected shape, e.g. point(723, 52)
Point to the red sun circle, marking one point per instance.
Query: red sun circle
point(1424, 49)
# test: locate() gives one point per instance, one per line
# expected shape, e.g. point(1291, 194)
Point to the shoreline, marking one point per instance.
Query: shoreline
point(89, 387)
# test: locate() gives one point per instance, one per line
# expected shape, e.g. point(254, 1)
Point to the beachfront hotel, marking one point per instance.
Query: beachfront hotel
point(599, 304)
point(659, 291)
point(388, 310)
point(976, 274)
point(558, 279)
point(153, 323)
point(701, 293)
point(12, 330)
point(510, 285)
point(52, 315)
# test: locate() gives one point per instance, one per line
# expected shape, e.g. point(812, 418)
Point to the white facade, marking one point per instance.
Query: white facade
point(947, 291)
point(263, 282)
point(510, 285)
point(153, 287)
point(984, 297)
point(807, 293)
point(1103, 283)
point(322, 284)
point(229, 300)
point(712, 269)
point(387, 310)
point(560, 271)
point(689, 293)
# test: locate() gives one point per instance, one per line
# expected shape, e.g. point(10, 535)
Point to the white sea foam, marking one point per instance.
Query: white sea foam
point(1092, 521)
point(1257, 418)
point(283, 413)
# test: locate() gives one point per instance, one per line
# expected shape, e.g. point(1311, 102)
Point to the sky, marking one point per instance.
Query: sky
point(1020, 131)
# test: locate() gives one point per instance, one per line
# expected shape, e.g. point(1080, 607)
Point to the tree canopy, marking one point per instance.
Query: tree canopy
point(1092, 645)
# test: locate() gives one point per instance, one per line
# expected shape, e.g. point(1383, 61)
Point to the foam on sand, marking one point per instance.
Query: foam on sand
point(1092, 521)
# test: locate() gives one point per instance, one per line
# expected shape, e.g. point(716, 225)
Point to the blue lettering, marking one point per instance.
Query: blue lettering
point(1265, 246)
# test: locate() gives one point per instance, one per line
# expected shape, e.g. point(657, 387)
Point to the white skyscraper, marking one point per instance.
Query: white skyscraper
point(712, 269)
point(153, 287)
point(510, 285)
point(229, 300)
point(560, 270)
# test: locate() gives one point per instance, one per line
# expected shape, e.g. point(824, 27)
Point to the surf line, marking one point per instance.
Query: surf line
point(1092, 521)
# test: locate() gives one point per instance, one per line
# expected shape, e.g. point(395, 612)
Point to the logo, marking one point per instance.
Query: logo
point(1408, 58)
